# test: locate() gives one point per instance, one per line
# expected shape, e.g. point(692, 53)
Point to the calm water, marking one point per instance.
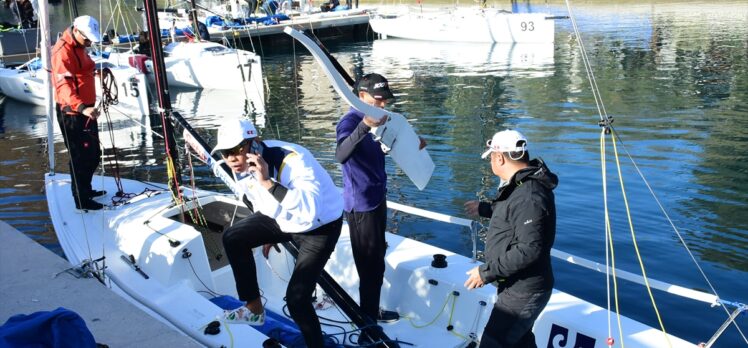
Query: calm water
point(673, 75)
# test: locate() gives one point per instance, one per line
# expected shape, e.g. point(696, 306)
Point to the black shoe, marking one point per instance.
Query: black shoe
point(89, 204)
point(387, 316)
point(97, 193)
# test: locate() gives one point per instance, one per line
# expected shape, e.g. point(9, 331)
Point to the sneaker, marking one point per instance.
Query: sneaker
point(243, 315)
point(97, 193)
point(88, 204)
point(387, 316)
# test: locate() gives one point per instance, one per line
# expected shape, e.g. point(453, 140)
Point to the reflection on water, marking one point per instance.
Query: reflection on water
point(673, 75)
point(407, 58)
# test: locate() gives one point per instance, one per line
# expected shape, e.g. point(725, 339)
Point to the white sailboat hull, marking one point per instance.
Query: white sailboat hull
point(178, 288)
point(208, 65)
point(132, 90)
point(466, 25)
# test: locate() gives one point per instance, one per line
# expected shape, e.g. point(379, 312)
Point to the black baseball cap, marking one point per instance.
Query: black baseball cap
point(374, 84)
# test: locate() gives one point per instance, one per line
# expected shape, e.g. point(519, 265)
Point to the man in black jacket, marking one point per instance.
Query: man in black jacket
point(518, 242)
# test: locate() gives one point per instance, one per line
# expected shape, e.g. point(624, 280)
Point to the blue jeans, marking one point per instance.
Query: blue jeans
point(512, 318)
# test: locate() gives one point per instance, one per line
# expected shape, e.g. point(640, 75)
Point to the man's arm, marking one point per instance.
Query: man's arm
point(295, 199)
point(65, 70)
point(349, 135)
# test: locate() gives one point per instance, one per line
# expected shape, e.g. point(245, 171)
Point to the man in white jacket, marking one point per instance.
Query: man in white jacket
point(293, 199)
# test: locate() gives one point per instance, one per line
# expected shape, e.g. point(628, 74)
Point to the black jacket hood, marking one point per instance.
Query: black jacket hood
point(536, 170)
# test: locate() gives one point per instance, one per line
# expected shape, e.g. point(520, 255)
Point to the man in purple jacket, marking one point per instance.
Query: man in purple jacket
point(365, 191)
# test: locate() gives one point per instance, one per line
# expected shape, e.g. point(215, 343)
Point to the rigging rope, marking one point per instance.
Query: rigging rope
point(109, 94)
point(607, 121)
point(609, 251)
point(633, 238)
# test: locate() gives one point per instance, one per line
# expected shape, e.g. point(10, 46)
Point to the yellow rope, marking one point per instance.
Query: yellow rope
point(609, 233)
point(451, 313)
point(438, 314)
point(633, 238)
point(171, 173)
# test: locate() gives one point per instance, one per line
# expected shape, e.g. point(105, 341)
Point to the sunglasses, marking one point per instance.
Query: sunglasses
point(85, 38)
point(234, 151)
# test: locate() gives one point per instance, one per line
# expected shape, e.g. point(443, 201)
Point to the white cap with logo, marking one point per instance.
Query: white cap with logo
point(506, 141)
point(233, 132)
point(89, 27)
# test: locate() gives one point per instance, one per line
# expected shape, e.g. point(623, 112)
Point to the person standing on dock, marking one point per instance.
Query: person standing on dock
point(201, 29)
point(75, 96)
point(293, 199)
point(518, 242)
point(365, 192)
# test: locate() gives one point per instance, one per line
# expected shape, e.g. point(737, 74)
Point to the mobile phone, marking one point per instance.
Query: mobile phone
point(254, 148)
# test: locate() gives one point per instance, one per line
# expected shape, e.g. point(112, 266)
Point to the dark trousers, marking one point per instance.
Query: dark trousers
point(512, 318)
point(81, 135)
point(315, 248)
point(252, 6)
point(369, 246)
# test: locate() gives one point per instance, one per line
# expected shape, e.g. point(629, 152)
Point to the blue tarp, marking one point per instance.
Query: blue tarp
point(276, 326)
point(239, 22)
point(58, 328)
point(165, 32)
point(127, 38)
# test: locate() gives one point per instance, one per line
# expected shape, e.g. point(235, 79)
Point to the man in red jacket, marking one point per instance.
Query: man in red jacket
point(75, 95)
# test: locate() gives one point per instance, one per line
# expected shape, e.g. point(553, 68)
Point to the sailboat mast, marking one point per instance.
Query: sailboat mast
point(195, 25)
point(74, 8)
point(162, 91)
point(45, 43)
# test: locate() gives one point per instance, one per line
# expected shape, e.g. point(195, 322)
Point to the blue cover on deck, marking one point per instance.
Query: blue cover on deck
point(178, 32)
point(240, 22)
point(58, 328)
point(276, 326)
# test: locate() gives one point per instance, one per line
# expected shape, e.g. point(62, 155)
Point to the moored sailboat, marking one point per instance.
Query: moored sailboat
point(176, 267)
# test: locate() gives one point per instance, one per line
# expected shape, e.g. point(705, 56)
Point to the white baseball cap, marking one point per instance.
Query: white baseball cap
point(89, 27)
point(506, 141)
point(233, 132)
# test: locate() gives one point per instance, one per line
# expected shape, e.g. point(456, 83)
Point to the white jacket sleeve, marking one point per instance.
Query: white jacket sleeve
point(298, 210)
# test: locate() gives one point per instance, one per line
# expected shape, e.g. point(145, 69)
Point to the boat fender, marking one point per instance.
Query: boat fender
point(440, 261)
point(138, 62)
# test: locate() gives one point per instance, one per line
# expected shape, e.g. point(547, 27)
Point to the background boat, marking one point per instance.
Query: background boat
point(463, 24)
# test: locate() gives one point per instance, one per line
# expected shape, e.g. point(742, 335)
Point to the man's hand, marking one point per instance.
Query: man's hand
point(372, 122)
point(259, 168)
point(474, 280)
point(471, 208)
point(91, 112)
